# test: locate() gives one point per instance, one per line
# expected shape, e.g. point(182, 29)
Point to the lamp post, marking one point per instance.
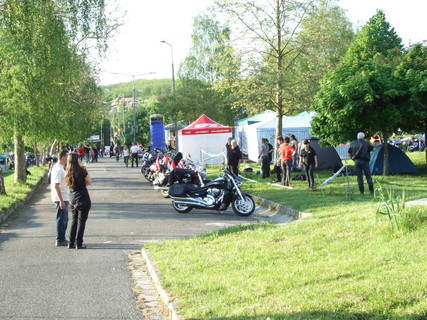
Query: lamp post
point(134, 127)
point(174, 96)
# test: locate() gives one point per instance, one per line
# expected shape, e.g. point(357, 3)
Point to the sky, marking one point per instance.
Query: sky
point(136, 48)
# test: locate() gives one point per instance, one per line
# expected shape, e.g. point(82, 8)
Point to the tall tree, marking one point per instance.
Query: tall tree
point(36, 73)
point(412, 71)
point(362, 94)
point(269, 30)
point(203, 68)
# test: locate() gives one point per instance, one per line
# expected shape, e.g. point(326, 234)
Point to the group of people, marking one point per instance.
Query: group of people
point(131, 153)
point(69, 181)
point(89, 153)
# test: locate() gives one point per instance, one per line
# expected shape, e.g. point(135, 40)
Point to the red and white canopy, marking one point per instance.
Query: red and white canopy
point(204, 125)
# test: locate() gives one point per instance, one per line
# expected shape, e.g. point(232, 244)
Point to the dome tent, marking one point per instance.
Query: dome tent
point(204, 135)
point(398, 161)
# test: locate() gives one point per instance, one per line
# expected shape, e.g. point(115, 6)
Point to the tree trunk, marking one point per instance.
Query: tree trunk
point(2, 187)
point(36, 154)
point(386, 169)
point(279, 83)
point(52, 150)
point(20, 165)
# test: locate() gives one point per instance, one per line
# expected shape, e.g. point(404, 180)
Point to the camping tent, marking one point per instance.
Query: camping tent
point(327, 157)
point(204, 140)
point(397, 159)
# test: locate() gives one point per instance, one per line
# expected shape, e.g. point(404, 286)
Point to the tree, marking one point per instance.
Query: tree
point(412, 71)
point(203, 68)
point(45, 41)
point(362, 94)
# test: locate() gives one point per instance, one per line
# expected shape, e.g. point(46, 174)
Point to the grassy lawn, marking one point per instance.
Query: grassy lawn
point(343, 262)
point(17, 193)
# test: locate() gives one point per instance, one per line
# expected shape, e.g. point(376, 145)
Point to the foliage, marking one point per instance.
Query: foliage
point(203, 69)
point(390, 206)
point(362, 94)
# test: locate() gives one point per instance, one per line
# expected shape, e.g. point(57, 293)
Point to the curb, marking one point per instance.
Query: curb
point(4, 215)
point(166, 300)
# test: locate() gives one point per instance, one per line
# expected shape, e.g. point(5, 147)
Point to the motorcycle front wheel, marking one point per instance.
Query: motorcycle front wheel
point(243, 207)
point(181, 208)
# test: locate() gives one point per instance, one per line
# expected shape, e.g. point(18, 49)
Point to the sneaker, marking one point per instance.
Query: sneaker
point(71, 245)
point(81, 246)
point(61, 243)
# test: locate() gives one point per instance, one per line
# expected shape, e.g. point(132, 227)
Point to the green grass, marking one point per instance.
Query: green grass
point(16, 193)
point(340, 263)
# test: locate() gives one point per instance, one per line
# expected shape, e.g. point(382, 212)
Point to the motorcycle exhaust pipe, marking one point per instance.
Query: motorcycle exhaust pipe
point(191, 202)
point(161, 188)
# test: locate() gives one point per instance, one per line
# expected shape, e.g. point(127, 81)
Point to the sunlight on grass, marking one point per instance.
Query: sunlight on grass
point(340, 263)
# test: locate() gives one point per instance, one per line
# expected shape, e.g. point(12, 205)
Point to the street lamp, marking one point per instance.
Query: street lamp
point(174, 95)
point(134, 129)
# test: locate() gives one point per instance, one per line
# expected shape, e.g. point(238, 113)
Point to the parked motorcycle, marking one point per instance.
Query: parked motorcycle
point(217, 194)
point(191, 173)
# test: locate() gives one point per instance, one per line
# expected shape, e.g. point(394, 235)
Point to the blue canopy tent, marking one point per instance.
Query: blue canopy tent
point(398, 161)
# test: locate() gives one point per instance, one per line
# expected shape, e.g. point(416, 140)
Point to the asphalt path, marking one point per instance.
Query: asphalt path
point(41, 281)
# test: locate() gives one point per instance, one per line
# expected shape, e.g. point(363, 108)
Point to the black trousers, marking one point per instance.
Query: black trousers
point(80, 212)
point(234, 169)
point(309, 172)
point(287, 167)
point(278, 170)
point(265, 167)
point(134, 158)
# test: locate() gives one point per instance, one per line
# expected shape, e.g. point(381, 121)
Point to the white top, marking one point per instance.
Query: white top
point(58, 176)
point(134, 149)
point(126, 152)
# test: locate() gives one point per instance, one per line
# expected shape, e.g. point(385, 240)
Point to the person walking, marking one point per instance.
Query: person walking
point(286, 153)
point(234, 156)
point(360, 152)
point(308, 160)
point(126, 155)
point(77, 178)
point(134, 153)
point(263, 155)
point(60, 197)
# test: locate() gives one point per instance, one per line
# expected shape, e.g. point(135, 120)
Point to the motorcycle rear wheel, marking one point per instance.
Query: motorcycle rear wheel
point(244, 207)
point(181, 208)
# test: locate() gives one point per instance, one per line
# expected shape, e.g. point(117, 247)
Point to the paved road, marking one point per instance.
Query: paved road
point(41, 281)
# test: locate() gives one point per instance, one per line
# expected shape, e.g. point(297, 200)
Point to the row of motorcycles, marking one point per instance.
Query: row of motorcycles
point(185, 182)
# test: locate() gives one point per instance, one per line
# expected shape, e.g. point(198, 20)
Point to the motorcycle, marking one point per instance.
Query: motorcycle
point(217, 194)
point(191, 173)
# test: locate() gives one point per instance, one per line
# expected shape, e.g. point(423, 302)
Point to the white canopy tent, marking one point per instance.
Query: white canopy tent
point(204, 140)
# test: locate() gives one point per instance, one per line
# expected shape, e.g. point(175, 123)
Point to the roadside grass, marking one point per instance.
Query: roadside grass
point(343, 262)
point(17, 193)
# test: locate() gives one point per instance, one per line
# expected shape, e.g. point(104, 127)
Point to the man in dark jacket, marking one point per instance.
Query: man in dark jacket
point(360, 152)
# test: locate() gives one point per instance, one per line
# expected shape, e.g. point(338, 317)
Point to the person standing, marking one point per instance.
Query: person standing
point(228, 144)
point(134, 153)
point(234, 156)
point(263, 155)
point(278, 163)
point(308, 160)
point(126, 155)
point(286, 154)
point(77, 178)
point(360, 152)
point(294, 143)
point(60, 196)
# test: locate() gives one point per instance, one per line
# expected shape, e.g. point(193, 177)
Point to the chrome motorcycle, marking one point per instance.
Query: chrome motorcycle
point(217, 195)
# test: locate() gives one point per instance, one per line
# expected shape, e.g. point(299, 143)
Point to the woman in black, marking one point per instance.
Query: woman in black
point(77, 178)
point(308, 159)
point(233, 157)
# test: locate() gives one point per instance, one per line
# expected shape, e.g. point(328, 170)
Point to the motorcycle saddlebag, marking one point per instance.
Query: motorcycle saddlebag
point(178, 190)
